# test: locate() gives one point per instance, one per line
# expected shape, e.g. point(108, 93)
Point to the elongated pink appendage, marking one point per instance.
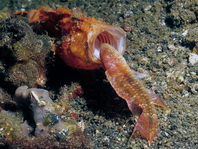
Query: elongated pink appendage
point(128, 87)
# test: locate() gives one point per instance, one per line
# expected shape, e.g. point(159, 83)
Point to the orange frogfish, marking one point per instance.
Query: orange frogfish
point(86, 43)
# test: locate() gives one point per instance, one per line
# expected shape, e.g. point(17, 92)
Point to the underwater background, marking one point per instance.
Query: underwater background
point(79, 108)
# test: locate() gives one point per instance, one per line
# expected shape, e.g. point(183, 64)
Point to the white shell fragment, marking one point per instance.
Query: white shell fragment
point(185, 33)
point(193, 58)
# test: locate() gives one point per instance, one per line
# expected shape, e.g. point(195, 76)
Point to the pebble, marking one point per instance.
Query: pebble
point(193, 58)
point(195, 49)
point(185, 33)
point(171, 47)
point(148, 8)
point(145, 146)
point(159, 48)
point(97, 131)
point(170, 61)
point(106, 139)
point(81, 124)
point(128, 14)
point(127, 27)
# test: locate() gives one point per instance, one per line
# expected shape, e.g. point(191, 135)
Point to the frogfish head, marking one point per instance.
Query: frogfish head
point(113, 35)
point(82, 51)
point(79, 37)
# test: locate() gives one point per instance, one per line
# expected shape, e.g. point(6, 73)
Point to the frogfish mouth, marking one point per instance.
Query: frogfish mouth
point(87, 43)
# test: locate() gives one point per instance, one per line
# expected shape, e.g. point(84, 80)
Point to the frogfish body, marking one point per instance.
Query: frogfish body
point(80, 36)
point(85, 43)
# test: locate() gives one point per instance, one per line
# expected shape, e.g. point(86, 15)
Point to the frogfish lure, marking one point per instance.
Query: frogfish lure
point(87, 43)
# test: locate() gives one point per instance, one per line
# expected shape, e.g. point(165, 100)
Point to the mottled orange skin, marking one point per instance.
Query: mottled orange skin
point(128, 87)
point(72, 28)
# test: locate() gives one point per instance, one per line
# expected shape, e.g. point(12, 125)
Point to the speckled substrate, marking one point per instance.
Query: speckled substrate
point(160, 39)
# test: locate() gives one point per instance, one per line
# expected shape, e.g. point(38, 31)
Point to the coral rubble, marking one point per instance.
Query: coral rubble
point(40, 120)
point(23, 54)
